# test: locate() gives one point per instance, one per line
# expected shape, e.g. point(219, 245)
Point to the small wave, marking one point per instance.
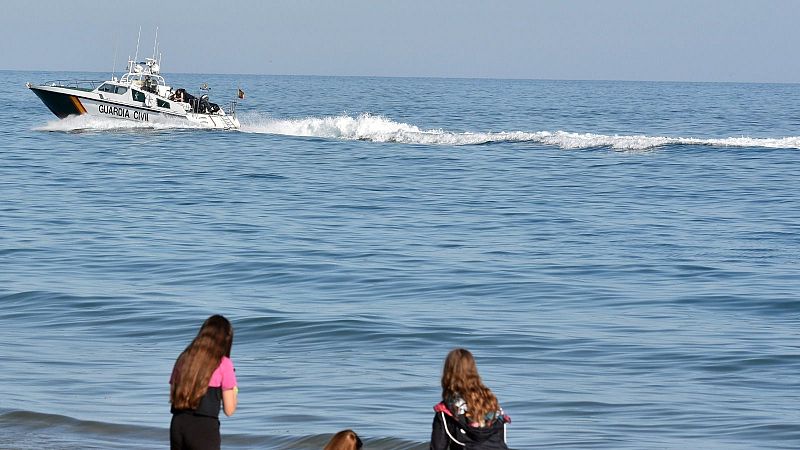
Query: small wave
point(97, 123)
point(33, 430)
point(368, 127)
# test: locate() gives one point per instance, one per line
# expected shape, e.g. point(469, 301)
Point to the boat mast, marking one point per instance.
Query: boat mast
point(136, 58)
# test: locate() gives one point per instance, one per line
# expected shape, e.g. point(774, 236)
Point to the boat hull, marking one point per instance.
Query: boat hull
point(59, 103)
point(66, 101)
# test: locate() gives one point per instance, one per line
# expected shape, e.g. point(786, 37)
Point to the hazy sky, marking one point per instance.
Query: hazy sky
point(691, 40)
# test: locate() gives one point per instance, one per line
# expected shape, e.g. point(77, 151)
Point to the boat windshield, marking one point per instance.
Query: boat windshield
point(113, 89)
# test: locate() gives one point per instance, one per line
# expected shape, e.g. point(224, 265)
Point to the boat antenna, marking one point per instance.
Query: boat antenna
point(155, 44)
point(136, 58)
point(114, 66)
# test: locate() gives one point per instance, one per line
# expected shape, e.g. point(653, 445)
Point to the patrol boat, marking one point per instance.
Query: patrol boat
point(140, 95)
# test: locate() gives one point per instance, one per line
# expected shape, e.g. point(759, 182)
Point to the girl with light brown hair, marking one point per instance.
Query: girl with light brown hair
point(344, 440)
point(203, 381)
point(469, 416)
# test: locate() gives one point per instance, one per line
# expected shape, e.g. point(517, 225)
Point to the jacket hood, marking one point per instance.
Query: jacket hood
point(475, 434)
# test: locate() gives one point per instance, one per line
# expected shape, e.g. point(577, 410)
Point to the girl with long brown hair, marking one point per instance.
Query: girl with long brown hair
point(469, 416)
point(203, 381)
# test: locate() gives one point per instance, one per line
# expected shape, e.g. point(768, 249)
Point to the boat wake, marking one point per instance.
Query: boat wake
point(375, 128)
point(367, 127)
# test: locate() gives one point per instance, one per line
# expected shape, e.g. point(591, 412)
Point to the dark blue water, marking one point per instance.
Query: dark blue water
point(622, 258)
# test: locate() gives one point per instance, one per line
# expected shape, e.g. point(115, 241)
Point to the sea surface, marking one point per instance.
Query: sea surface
point(622, 258)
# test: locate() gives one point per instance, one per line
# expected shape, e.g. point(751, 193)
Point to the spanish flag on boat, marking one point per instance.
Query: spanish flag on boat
point(241, 94)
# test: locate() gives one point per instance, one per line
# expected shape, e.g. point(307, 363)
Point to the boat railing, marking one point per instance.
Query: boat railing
point(201, 106)
point(84, 85)
point(141, 78)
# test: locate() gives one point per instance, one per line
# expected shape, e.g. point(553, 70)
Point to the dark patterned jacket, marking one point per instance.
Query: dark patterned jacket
point(451, 430)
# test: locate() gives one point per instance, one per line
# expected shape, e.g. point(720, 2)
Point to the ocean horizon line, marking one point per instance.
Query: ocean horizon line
point(432, 77)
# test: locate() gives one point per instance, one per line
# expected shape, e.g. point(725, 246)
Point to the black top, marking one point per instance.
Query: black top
point(210, 404)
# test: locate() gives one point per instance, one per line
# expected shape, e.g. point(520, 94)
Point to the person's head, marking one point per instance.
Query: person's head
point(460, 378)
point(344, 440)
point(216, 334)
point(195, 365)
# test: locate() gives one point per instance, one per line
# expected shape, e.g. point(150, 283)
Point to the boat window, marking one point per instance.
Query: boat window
point(121, 89)
point(137, 96)
point(106, 88)
point(162, 103)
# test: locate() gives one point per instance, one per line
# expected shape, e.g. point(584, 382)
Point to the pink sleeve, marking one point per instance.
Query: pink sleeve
point(224, 376)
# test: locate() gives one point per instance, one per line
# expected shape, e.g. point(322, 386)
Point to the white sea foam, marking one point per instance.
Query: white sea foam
point(98, 123)
point(374, 128)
